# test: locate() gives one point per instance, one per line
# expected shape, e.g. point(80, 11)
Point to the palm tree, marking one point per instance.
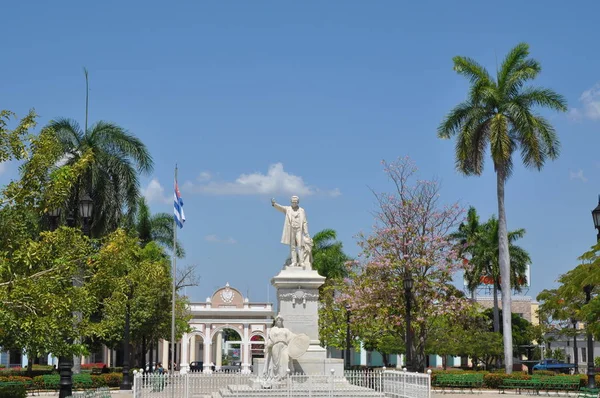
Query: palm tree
point(155, 227)
point(486, 260)
point(466, 238)
point(499, 112)
point(328, 255)
point(111, 179)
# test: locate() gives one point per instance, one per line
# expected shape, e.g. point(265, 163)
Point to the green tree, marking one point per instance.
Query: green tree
point(328, 255)
point(126, 273)
point(111, 178)
point(499, 112)
point(486, 261)
point(467, 237)
point(155, 227)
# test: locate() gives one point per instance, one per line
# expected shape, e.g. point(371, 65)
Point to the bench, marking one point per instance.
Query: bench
point(461, 381)
point(520, 385)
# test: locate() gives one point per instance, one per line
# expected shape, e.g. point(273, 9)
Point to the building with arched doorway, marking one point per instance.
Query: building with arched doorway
point(226, 313)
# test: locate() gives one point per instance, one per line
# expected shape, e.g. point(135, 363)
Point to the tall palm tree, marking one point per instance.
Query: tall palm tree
point(155, 227)
point(499, 112)
point(111, 178)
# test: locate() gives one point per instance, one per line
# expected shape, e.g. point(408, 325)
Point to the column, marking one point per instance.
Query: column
point(193, 348)
point(245, 350)
point(184, 364)
point(219, 351)
point(363, 355)
point(207, 348)
point(165, 354)
point(399, 360)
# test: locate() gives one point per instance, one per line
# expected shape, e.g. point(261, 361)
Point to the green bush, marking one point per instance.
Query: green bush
point(13, 391)
point(113, 379)
point(494, 380)
point(544, 373)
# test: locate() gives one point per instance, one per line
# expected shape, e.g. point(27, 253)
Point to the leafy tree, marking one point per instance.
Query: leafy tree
point(111, 178)
point(523, 331)
point(499, 113)
point(128, 275)
point(38, 296)
point(410, 238)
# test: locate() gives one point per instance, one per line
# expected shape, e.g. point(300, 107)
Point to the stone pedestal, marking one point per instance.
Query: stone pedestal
point(298, 304)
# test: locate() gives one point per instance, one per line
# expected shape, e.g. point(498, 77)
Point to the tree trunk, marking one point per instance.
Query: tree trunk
point(474, 295)
point(504, 263)
point(444, 361)
point(496, 309)
point(29, 366)
point(144, 349)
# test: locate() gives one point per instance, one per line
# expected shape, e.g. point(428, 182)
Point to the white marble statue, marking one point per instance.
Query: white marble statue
point(295, 232)
point(281, 346)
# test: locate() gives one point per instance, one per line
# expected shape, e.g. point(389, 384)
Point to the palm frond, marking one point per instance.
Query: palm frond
point(68, 132)
point(544, 97)
point(511, 62)
point(469, 68)
point(115, 139)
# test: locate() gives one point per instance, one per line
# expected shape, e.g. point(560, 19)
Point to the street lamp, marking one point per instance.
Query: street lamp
point(54, 216)
point(86, 208)
point(596, 217)
point(408, 285)
point(347, 356)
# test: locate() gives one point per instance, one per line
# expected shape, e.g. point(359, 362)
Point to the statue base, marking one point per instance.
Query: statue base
point(298, 304)
point(306, 365)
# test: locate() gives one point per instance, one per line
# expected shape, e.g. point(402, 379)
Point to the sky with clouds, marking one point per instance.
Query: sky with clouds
point(255, 100)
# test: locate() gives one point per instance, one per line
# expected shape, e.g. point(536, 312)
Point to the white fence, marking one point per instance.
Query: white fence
point(387, 383)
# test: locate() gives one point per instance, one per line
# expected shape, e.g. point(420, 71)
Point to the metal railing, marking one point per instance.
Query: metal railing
point(387, 383)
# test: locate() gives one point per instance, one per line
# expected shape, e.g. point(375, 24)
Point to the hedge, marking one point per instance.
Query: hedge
point(493, 380)
point(13, 391)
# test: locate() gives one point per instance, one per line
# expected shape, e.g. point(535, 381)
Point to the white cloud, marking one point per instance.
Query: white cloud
point(155, 192)
point(275, 181)
point(216, 239)
point(590, 105)
point(3, 167)
point(204, 176)
point(577, 175)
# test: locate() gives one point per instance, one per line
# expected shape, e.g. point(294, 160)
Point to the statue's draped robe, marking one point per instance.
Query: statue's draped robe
point(278, 357)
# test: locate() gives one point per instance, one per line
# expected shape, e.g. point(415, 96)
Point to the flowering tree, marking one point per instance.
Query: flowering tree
point(410, 237)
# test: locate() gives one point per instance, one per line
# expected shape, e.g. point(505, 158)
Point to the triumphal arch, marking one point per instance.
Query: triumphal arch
point(227, 308)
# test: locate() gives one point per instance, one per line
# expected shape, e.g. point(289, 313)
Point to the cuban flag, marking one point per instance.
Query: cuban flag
point(178, 208)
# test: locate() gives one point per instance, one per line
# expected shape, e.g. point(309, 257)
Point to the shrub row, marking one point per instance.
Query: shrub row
point(51, 382)
point(495, 379)
point(49, 370)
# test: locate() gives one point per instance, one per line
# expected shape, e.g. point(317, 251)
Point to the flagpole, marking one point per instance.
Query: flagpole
point(174, 282)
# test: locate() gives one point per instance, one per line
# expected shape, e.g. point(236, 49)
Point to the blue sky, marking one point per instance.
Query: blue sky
point(264, 99)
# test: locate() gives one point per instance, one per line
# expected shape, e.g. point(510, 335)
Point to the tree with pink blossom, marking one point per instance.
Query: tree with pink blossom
point(411, 236)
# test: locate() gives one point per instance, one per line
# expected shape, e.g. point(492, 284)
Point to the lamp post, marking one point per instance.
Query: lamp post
point(347, 355)
point(588, 296)
point(64, 362)
point(575, 354)
point(408, 285)
point(126, 383)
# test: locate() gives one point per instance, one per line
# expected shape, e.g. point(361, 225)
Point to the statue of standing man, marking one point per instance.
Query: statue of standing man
point(295, 233)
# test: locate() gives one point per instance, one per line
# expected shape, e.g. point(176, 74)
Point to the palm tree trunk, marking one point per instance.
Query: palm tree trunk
point(504, 263)
point(496, 309)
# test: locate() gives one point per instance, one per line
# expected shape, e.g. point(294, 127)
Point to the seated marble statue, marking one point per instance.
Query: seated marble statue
point(281, 346)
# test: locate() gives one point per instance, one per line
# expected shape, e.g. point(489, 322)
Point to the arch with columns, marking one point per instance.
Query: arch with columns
point(226, 308)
